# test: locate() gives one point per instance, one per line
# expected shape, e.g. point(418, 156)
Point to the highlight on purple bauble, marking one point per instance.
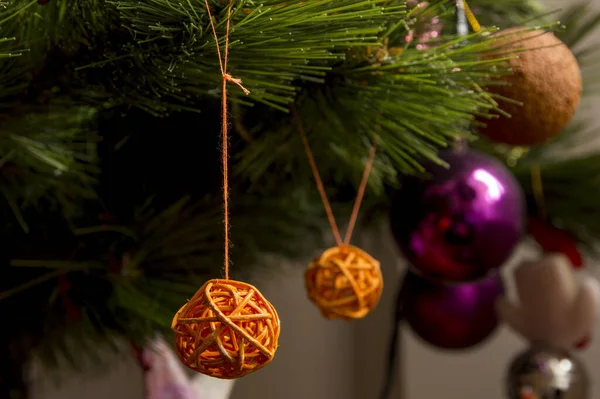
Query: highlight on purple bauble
point(451, 316)
point(463, 222)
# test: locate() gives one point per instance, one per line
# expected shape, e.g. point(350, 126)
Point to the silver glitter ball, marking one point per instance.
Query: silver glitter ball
point(547, 374)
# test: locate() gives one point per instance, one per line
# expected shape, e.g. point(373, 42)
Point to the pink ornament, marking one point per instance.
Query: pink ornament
point(426, 29)
point(167, 379)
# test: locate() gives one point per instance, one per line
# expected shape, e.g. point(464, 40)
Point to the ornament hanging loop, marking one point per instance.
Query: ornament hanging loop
point(321, 188)
point(361, 191)
point(315, 171)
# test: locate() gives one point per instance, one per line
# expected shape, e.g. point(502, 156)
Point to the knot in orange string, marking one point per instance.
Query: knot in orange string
point(237, 81)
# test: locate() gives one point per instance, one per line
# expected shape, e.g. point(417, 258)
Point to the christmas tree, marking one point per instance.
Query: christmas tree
point(109, 141)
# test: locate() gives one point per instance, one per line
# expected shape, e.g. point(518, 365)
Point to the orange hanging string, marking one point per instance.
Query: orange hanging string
point(538, 189)
point(226, 77)
point(361, 191)
point(321, 188)
point(319, 182)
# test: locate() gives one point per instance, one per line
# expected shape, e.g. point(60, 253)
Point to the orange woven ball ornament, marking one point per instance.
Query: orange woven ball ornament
point(344, 282)
point(227, 330)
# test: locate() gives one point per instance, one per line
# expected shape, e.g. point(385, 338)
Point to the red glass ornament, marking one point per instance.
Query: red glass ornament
point(554, 240)
point(64, 287)
point(584, 343)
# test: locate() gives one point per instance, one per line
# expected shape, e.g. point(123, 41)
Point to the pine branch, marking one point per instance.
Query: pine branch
point(416, 100)
point(179, 248)
point(163, 57)
point(12, 79)
point(581, 21)
point(48, 153)
point(570, 192)
point(271, 46)
point(184, 241)
point(43, 26)
point(28, 32)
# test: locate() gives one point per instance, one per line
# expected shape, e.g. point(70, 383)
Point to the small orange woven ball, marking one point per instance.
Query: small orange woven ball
point(345, 282)
point(227, 330)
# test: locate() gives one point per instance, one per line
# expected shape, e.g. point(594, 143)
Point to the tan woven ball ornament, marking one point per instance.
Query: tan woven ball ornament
point(227, 330)
point(345, 282)
point(546, 79)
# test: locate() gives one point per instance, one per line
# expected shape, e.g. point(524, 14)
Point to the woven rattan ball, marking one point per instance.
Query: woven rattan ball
point(227, 330)
point(344, 282)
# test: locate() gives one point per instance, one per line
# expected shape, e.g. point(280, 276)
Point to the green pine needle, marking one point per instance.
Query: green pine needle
point(49, 153)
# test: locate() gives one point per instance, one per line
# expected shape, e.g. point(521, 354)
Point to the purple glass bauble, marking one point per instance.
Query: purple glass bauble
point(462, 222)
point(451, 316)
